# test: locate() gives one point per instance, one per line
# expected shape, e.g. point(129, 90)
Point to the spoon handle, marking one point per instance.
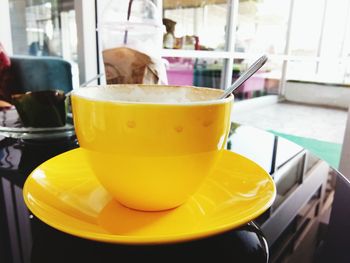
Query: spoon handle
point(91, 80)
point(246, 75)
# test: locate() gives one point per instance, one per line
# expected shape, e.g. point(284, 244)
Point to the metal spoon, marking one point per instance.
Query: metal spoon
point(246, 75)
point(86, 83)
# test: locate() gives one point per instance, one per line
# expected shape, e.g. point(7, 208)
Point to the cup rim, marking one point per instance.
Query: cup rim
point(78, 93)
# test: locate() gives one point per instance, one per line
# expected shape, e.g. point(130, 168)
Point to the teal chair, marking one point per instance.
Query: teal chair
point(344, 166)
point(29, 73)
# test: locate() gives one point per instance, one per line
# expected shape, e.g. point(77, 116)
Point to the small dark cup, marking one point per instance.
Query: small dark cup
point(41, 108)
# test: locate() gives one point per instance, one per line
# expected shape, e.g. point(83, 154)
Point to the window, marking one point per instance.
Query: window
point(45, 28)
point(198, 19)
point(262, 26)
point(306, 28)
point(259, 27)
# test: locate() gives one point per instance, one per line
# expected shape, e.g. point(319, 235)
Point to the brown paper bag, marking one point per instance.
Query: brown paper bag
point(128, 66)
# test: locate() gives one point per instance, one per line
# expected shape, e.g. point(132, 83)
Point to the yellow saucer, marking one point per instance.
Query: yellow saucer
point(64, 193)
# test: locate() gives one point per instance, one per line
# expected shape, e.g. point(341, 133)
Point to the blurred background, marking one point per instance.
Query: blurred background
point(302, 91)
point(306, 40)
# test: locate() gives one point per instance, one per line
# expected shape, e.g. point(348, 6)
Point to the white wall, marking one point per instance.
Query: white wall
point(318, 94)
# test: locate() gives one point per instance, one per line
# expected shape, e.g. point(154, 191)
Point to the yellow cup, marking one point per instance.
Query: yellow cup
point(151, 146)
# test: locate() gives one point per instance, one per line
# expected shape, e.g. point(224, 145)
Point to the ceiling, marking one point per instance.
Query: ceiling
point(172, 4)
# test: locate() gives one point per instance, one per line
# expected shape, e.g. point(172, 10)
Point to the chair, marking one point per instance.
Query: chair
point(344, 167)
point(30, 73)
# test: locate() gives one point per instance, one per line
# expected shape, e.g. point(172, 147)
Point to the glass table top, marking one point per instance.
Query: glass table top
point(308, 221)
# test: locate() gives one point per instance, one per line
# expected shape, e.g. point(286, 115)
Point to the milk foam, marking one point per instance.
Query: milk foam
point(149, 94)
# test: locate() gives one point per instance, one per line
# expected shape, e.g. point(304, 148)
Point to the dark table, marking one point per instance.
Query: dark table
point(308, 222)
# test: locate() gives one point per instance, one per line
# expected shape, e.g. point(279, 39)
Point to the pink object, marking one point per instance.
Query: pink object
point(255, 83)
point(180, 71)
point(180, 76)
point(5, 61)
